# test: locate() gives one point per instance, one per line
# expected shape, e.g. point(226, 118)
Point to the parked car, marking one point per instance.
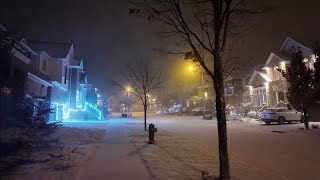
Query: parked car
point(199, 111)
point(163, 111)
point(281, 115)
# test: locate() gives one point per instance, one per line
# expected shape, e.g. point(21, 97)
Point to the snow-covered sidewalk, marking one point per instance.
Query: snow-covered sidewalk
point(116, 158)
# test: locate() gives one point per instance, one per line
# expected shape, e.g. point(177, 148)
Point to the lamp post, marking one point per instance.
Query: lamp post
point(202, 85)
point(127, 99)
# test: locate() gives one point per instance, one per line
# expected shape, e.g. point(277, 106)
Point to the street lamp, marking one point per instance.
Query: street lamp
point(190, 68)
point(128, 90)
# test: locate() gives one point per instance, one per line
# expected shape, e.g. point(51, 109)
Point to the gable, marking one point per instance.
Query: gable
point(290, 43)
point(273, 60)
point(258, 79)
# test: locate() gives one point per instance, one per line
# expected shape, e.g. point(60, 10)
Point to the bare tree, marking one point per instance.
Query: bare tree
point(204, 26)
point(144, 79)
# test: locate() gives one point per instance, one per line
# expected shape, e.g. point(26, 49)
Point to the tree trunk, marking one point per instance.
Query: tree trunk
point(220, 99)
point(145, 117)
point(222, 132)
point(306, 118)
point(221, 118)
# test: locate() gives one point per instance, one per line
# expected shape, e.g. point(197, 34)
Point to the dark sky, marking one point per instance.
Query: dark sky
point(107, 38)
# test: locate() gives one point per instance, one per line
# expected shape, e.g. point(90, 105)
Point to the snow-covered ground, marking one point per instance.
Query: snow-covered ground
point(60, 161)
point(257, 151)
point(185, 146)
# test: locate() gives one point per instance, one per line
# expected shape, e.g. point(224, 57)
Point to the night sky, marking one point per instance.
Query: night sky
point(107, 37)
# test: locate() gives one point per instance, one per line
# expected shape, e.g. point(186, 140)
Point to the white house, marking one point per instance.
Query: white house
point(267, 86)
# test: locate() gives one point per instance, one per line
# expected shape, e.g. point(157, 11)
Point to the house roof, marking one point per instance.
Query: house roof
point(53, 49)
point(76, 63)
point(272, 58)
point(289, 43)
point(263, 75)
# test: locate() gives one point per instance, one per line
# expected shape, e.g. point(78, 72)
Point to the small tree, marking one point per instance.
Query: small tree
point(144, 79)
point(246, 104)
point(303, 85)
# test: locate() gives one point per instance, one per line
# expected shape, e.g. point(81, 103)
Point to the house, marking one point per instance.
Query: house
point(267, 86)
point(19, 73)
point(200, 96)
point(53, 60)
point(78, 84)
point(233, 91)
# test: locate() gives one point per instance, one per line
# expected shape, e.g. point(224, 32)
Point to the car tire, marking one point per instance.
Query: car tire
point(281, 120)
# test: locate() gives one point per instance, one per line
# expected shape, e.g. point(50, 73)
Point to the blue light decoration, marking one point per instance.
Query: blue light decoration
point(66, 111)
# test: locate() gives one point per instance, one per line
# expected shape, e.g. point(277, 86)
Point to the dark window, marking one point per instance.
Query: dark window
point(44, 65)
point(280, 96)
point(65, 74)
point(282, 110)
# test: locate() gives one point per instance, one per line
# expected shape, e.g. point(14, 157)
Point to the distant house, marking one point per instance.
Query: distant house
point(267, 86)
point(78, 84)
point(233, 91)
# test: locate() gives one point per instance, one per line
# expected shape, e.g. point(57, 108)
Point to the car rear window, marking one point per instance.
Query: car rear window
point(269, 110)
point(282, 110)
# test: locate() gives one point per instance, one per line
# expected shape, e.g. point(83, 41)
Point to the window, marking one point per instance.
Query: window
point(228, 88)
point(282, 110)
point(44, 65)
point(65, 74)
point(280, 97)
point(259, 97)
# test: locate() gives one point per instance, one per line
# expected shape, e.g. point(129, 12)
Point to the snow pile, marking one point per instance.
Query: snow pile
point(174, 157)
point(60, 160)
point(247, 119)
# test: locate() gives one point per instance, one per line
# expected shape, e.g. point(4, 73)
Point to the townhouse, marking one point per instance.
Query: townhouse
point(48, 75)
point(267, 87)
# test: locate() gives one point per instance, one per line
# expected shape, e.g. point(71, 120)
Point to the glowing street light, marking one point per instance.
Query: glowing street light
point(128, 89)
point(190, 68)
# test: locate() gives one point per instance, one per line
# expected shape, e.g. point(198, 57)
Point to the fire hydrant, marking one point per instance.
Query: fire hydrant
point(152, 130)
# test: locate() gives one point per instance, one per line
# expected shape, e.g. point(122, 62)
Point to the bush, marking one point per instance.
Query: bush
point(23, 134)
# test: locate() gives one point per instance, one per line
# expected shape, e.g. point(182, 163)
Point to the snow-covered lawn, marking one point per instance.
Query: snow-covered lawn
point(60, 161)
point(174, 157)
